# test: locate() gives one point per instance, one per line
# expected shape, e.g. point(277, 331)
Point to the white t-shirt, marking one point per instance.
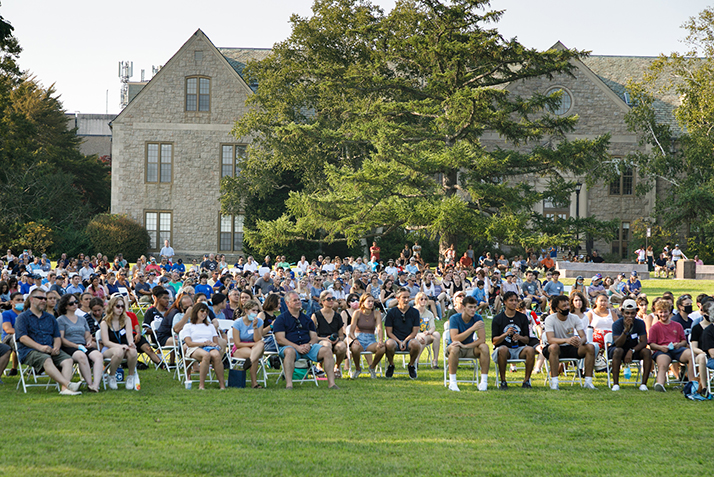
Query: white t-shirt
point(562, 329)
point(251, 267)
point(602, 323)
point(303, 266)
point(199, 332)
point(676, 254)
point(328, 267)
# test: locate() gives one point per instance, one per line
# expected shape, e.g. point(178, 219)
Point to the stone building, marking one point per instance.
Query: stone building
point(172, 144)
point(596, 93)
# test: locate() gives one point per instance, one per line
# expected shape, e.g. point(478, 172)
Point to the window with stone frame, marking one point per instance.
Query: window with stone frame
point(159, 162)
point(230, 235)
point(231, 155)
point(198, 93)
point(159, 224)
point(621, 243)
point(625, 184)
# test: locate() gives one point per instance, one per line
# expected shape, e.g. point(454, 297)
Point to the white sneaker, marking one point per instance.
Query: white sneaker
point(130, 382)
point(590, 386)
point(554, 386)
point(74, 386)
point(355, 374)
point(454, 387)
point(482, 386)
point(616, 387)
point(112, 382)
point(660, 388)
point(372, 373)
point(643, 387)
point(69, 392)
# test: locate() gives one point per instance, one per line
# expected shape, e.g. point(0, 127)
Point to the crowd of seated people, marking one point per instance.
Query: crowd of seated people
point(341, 307)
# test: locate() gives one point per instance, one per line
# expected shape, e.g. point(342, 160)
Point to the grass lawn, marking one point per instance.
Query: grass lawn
point(369, 427)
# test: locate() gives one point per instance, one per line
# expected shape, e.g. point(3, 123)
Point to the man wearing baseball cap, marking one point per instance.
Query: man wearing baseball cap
point(633, 287)
point(596, 287)
point(629, 343)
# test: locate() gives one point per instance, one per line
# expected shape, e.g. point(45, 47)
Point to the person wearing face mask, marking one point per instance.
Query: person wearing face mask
point(565, 338)
point(684, 309)
point(352, 306)
point(700, 355)
point(248, 340)
point(8, 326)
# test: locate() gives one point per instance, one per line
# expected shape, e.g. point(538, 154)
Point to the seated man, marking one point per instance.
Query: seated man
point(479, 294)
point(565, 338)
point(402, 325)
point(5, 352)
point(633, 287)
point(629, 341)
point(143, 289)
point(707, 345)
point(668, 343)
point(296, 337)
point(661, 266)
point(532, 292)
point(700, 355)
point(554, 287)
point(596, 287)
point(510, 337)
point(38, 343)
point(461, 344)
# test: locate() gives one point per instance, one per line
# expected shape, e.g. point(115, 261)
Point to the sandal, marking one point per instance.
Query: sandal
point(257, 386)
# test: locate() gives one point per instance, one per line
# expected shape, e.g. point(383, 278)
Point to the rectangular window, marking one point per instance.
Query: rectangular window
point(230, 237)
point(198, 94)
point(553, 209)
point(231, 155)
point(621, 243)
point(159, 226)
point(624, 185)
point(159, 160)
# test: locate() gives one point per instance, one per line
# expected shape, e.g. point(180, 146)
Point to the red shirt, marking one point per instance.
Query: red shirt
point(466, 262)
point(663, 335)
point(374, 251)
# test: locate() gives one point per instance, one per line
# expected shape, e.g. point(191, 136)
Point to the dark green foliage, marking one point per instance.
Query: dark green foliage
point(112, 234)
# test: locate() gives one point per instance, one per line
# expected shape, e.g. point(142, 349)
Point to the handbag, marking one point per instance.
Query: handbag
point(236, 378)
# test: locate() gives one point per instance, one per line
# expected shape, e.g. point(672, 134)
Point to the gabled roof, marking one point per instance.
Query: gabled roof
point(239, 57)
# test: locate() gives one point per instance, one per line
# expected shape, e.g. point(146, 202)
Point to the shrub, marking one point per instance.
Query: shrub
point(35, 236)
point(71, 241)
point(112, 234)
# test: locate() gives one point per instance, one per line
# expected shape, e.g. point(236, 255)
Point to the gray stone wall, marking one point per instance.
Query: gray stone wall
point(158, 114)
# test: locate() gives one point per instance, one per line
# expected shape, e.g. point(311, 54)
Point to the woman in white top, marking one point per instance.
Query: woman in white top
point(601, 319)
point(428, 286)
point(201, 340)
point(427, 327)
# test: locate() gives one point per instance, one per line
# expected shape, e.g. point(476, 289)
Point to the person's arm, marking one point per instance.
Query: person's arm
point(620, 340)
point(238, 343)
point(182, 322)
point(378, 330)
point(188, 341)
point(480, 329)
point(7, 328)
point(641, 344)
point(390, 335)
point(65, 342)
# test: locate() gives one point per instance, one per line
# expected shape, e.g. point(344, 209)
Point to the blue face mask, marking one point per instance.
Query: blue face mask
point(19, 306)
point(252, 316)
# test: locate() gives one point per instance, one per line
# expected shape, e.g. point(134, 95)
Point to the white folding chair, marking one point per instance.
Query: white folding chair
point(107, 363)
point(161, 350)
point(471, 362)
point(636, 363)
point(576, 362)
point(28, 372)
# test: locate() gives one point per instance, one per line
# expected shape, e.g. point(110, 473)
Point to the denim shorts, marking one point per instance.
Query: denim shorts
point(311, 355)
point(366, 339)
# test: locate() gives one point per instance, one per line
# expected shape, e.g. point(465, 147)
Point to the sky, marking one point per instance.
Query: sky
point(77, 44)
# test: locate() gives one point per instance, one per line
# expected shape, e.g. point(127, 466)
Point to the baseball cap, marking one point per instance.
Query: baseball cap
point(509, 274)
point(628, 305)
point(633, 273)
point(597, 276)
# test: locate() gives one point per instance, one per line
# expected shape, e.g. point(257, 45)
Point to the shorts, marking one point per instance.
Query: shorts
point(366, 339)
point(674, 354)
point(4, 349)
point(207, 349)
point(635, 354)
point(37, 359)
point(566, 351)
point(599, 337)
point(464, 353)
point(406, 346)
point(141, 342)
point(71, 351)
point(9, 340)
point(710, 363)
point(514, 353)
point(311, 355)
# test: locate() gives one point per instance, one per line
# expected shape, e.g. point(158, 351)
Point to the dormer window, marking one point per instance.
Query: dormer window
point(198, 93)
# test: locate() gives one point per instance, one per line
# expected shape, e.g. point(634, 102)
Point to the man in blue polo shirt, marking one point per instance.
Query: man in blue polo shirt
point(297, 338)
point(38, 343)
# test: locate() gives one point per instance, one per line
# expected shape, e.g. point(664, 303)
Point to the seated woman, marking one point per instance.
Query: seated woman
point(201, 340)
point(331, 328)
point(611, 289)
point(366, 335)
point(96, 288)
point(118, 341)
point(579, 285)
point(248, 342)
point(386, 295)
point(78, 342)
point(601, 318)
point(427, 327)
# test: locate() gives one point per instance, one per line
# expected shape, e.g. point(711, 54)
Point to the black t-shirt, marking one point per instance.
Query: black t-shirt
point(687, 325)
point(598, 259)
point(661, 262)
point(211, 265)
point(707, 342)
point(633, 337)
point(325, 329)
point(501, 323)
point(402, 324)
point(151, 315)
point(697, 331)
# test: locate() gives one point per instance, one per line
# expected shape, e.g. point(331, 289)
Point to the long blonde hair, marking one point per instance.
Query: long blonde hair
point(123, 318)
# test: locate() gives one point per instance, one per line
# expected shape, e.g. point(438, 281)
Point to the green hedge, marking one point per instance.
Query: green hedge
point(112, 234)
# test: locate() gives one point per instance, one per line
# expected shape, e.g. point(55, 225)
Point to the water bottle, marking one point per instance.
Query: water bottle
point(628, 372)
point(120, 375)
point(137, 383)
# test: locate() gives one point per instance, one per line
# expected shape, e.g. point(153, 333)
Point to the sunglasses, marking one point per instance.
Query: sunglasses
point(330, 298)
point(71, 303)
point(121, 307)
